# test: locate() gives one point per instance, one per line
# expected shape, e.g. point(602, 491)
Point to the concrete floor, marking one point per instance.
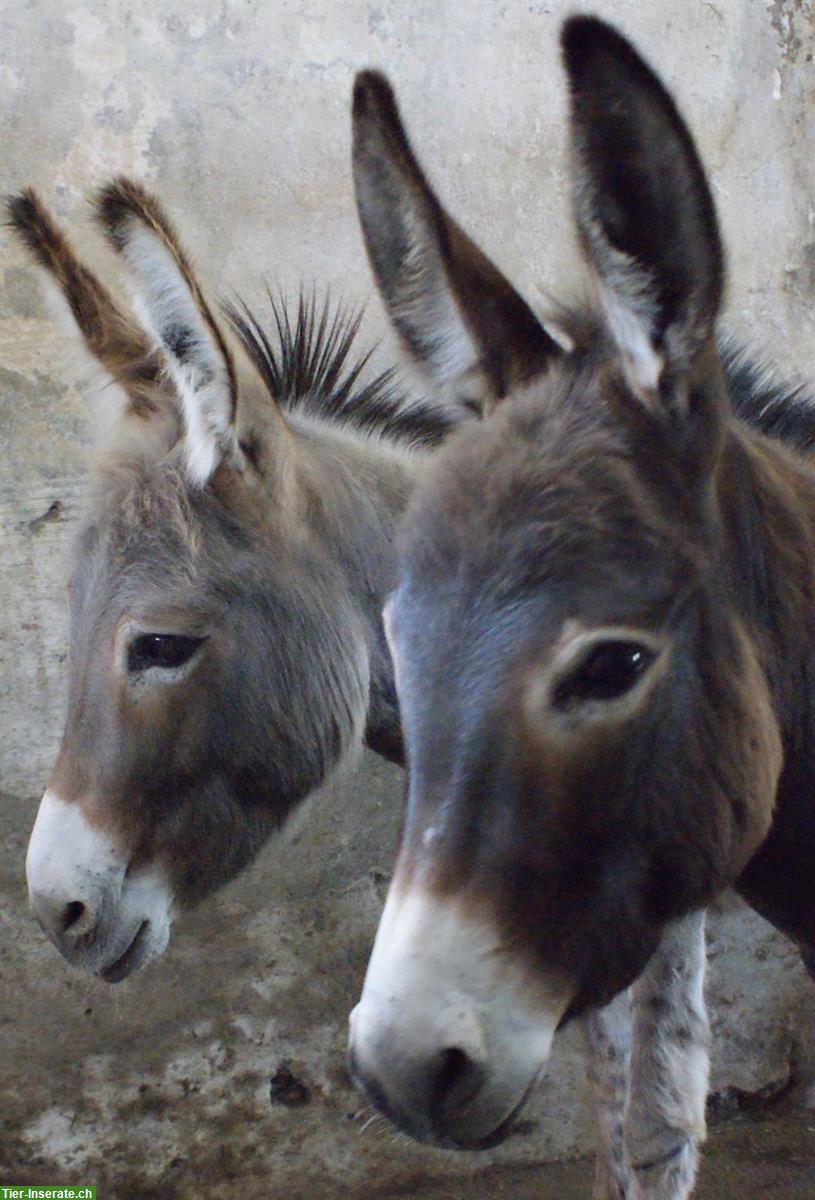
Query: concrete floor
point(160, 1089)
point(770, 1156)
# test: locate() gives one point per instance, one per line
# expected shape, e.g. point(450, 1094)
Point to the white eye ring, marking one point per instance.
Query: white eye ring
point(606, 672)
point(573, 649)
point(156, 648)
point(164, 651)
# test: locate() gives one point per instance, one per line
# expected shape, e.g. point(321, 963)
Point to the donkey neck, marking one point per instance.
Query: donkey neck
point(361, 484)
point(766, 494)
point(767, 497)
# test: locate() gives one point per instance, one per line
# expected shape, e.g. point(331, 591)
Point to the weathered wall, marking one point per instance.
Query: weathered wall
point(236, 113)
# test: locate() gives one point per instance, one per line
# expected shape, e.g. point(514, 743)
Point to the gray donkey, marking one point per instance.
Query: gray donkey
point(227, 652)
point(602, 633)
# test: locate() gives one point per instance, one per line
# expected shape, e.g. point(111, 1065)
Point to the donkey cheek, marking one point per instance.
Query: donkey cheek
point(751, 796)
point(751, 814)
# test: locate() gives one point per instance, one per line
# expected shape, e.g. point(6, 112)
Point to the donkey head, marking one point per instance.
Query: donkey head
point(591, 744)
point(202, 573)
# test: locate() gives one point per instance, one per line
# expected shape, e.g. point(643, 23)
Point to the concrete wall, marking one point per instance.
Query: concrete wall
point(236, 113)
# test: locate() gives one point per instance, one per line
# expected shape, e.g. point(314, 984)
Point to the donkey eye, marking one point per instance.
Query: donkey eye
point(609, 670)
point(161, 650)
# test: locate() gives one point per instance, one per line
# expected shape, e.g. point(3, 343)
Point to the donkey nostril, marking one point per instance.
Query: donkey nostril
point(73, 913)
point(456, 1081)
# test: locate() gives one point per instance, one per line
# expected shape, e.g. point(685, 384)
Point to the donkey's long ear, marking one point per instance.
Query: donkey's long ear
point(456, 314)
point(180, 319)
point(118, 345)
point(645, 214)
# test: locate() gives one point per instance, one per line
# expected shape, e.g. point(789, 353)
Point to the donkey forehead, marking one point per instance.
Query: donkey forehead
point(537, 496)
point(148, 590)
point(148, 530)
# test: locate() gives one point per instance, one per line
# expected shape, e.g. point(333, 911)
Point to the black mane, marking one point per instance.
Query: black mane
point(308, 366)
point(780, 410)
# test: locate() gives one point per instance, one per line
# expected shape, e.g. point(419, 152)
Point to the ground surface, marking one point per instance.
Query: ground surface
point(771, 1157)
point(765, 1157)
point(159, 1089)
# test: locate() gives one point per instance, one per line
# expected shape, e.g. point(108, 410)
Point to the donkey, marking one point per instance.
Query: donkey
point(227, 653)
point(603, 641)
point(226, 644)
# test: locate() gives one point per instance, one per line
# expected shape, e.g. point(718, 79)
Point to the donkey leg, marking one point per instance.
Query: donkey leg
point(608, 1063)
point(670, 1064)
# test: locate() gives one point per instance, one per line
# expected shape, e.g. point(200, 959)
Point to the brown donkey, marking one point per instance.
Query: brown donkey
point(603, 640)
point(226, 643)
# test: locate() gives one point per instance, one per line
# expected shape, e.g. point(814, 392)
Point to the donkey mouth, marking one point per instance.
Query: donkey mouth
point(508, 1127)
point(131, 959)
point(432, 1133)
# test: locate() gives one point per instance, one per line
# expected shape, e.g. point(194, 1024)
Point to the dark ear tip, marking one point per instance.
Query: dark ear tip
point(110, 203)
point(583, 38)
point(373, 96)
point(115, 202)
point(30, 220)
point(22, 209)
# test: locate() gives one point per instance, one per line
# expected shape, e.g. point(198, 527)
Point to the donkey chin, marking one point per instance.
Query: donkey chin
point(452, 1032)
point(101, 916)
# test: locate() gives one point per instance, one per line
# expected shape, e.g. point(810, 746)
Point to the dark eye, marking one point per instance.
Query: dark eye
point(609, 670)
point(160, 650)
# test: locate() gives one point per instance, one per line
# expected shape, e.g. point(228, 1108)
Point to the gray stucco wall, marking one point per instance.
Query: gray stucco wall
point(236, 113)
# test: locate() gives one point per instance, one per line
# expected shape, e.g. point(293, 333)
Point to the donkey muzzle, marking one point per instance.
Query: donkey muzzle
point(101, 917)
point(451, 1030)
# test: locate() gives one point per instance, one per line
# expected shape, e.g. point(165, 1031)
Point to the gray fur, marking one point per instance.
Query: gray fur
point(608, 1064)
point(647, 1059)
point(670, 1063)
point(280, 560)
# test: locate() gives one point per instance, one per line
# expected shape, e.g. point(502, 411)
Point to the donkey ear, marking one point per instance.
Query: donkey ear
point(199, 359)
point(116, 343)
point(456, 314)
point(645, 213)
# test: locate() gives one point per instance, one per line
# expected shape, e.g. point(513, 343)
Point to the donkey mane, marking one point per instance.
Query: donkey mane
point(310, 364)
point(776, 407)
point(780, 408)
